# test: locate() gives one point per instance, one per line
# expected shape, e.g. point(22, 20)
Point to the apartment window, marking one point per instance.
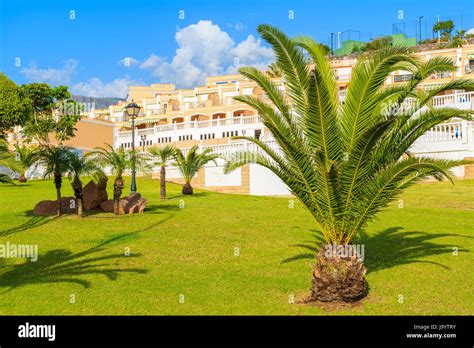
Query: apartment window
point(402, 78)
point(441, 75)
point(230, 134)
point(207, 136)
point(470, 66)
point(185, 137)
point(258, 133)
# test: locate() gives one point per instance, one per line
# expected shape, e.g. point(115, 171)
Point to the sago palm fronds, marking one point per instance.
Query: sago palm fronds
point(190, 164)
point(55, 161)
point(344, 161)
point(160, 156)
point(82, 166)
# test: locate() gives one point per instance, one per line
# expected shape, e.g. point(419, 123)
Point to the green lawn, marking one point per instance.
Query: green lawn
point(191, 252)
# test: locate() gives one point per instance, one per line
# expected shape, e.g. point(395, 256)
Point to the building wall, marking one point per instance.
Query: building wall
point(92, 133)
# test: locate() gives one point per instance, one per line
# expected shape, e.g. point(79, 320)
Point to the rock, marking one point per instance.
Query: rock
point(45, 208)
point(131, 204)
point(93, 194)
point(108, 206)
point(68, 206)
point(135, 203)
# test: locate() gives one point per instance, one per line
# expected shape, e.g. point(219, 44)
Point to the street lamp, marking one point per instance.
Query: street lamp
point(143, 139)
point(439, 34)
point(419, 24)
point(132, 111)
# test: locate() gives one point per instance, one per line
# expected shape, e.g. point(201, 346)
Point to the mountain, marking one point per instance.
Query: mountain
point(100, 103)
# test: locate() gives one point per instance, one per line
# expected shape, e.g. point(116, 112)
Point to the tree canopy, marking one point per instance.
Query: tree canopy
point(15, 107)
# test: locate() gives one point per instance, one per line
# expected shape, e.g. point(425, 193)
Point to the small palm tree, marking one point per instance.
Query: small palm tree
point(160, 156)
point(55, 160)
point(7, 160)
point(119, 161)
point(82, 166)
point(345, 162)
point(25, 155)
point(190, 164)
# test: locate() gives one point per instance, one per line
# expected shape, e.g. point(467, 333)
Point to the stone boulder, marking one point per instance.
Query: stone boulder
point(45, 208)
point(93, 194)
point(68, 206)
point(131, 204)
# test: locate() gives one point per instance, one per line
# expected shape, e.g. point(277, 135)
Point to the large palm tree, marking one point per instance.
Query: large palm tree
point(55, 161)
point(345, 162)
point(26, 158)
point(161, 156)
point(119, 161)
point(190, 164)
point(82, 166)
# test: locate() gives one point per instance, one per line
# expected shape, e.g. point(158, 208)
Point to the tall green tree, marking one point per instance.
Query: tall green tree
point(82, 166)
point(190, 164)
point(15, 106)
point(444, 27)
point(53, 113)
point(55, 161)
point(160, 156)
point(345, 162)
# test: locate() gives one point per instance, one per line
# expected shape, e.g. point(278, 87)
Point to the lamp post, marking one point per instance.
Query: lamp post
point(439, 34)
point(419, 25)
point(143, 139)
point(132, 111)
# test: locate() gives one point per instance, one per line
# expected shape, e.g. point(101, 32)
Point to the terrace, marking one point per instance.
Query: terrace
point(207, 124)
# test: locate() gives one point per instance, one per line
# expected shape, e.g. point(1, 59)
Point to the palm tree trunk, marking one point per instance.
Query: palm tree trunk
point(79, 207)
point(77, 186)
point(118, 187)
point(338, 277)
point(57, 183)
point(187, 189)
point(163, 182)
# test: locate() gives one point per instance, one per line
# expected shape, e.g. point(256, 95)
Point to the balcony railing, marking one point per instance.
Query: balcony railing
point(443, 132)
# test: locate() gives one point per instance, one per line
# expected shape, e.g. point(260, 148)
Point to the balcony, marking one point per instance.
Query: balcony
point(175, 131)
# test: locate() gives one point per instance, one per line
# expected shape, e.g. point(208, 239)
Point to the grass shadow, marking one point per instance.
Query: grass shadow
point(389, 248)
point(65, 266)
point(33, 222)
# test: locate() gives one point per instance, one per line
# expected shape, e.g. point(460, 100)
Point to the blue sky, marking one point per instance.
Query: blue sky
point(87, 49)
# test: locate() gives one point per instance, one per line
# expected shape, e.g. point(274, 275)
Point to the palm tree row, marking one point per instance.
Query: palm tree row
point(60, 161)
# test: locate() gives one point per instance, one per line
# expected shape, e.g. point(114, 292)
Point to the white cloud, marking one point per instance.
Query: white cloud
point(129, 61)
point(251, 52)
point(52, 76)
point(94, 87)
point(151, 62)
point(205, 50)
